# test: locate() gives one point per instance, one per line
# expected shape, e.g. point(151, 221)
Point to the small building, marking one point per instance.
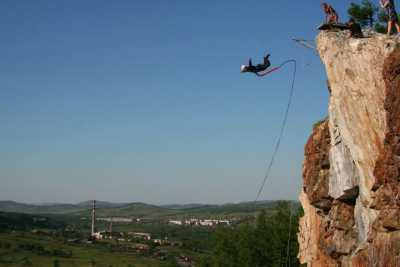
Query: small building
point(176, 222)
point(207, 223)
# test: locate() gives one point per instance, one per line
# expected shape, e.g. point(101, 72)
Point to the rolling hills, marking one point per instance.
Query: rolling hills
point(137, 210)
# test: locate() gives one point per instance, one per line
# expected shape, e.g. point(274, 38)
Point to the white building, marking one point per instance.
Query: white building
point(145, 236)
point(116, 219)
point(176, 222)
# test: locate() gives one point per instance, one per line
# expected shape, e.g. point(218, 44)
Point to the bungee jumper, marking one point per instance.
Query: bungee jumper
point(257, 68)
point(262, 70)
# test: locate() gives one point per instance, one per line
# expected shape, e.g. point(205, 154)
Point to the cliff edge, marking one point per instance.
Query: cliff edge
point(351, 172)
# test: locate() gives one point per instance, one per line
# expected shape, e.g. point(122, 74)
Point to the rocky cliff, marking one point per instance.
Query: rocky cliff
point(351, 173)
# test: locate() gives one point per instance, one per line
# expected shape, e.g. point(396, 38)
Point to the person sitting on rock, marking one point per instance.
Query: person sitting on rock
point(355, 29)
point(331, 14)
point(388, 5)
point(257, 68)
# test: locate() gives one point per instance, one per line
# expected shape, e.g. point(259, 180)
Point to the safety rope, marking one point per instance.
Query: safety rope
point(277, 146)
point(283, 126)
point(262, 74)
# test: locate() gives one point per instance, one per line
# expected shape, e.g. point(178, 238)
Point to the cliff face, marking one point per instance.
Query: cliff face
point(351, 192)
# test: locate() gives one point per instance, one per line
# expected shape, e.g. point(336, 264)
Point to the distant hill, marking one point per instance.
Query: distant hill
point(183, 206)
point(56, 208)
point(134, 210)
point(100, 204)
point(137, 210)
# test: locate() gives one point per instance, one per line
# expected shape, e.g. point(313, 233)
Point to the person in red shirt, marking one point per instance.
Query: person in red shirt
point(331, 14)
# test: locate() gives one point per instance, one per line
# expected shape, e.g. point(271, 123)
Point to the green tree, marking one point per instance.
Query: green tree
point(260, 243)
point(26, 262)
point(56, 263)
point(204, 261)
point(363, 13)
point(265, 240)
point(246, 246)
point(170, 263)
point(368, 14)
point(225, 250)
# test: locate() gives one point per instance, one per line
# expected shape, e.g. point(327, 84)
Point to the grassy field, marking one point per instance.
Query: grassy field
point(13, 255)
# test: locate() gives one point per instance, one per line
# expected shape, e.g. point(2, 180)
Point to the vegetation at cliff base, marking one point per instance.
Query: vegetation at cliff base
point(263, 243)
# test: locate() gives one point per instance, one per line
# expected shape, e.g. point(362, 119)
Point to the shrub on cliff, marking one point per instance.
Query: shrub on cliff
point(363, 13)
point(368, 14)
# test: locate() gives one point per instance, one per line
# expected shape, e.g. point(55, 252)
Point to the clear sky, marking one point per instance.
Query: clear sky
point(143, 100)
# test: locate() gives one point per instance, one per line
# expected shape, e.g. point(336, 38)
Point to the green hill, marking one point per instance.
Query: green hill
point(138, 210)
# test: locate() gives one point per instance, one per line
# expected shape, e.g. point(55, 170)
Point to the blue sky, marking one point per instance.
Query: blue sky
point(143, 100)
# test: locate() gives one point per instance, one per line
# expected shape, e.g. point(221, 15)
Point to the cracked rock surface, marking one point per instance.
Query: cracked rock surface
point(351, 171)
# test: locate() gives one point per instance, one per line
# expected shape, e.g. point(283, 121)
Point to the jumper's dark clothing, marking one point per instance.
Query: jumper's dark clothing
point(259, 67)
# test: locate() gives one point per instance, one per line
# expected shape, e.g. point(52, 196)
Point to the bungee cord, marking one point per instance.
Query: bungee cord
point(283, 126)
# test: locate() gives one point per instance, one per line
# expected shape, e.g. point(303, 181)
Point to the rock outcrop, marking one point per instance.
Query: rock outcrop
point(351, 192)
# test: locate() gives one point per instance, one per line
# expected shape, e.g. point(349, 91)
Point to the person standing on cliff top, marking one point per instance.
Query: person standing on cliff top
point(388, 5)
point(331, 14)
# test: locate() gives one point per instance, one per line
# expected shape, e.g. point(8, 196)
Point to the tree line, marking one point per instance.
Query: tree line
point(269, 241)
point(368, 14)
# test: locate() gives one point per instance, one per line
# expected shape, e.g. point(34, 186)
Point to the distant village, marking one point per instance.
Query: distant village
point(143, 242)
point(131, 236)
point(199, 222)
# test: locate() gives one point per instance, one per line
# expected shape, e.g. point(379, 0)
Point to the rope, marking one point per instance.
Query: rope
point(262, 74)
point(283, 126)
point(289, 238)
point(306, 44)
